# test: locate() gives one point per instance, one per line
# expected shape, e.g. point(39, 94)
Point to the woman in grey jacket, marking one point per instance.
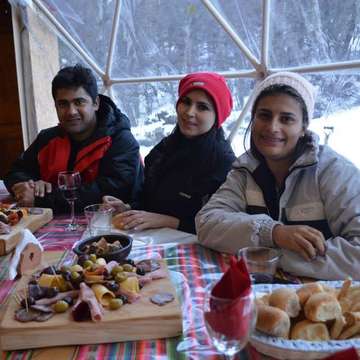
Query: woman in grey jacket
point(288, 191)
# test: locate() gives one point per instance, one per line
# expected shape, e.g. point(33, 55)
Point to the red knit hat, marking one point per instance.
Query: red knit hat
point(215, 86)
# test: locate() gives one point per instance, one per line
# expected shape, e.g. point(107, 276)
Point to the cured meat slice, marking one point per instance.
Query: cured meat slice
point(25, 316)
point(162, 298)
point(87, 303)
point(148, 265)
point(59, 296)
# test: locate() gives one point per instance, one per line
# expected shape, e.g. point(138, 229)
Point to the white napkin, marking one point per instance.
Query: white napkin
point(26, 238)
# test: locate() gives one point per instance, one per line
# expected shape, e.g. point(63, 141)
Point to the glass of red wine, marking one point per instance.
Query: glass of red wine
point(69, 183)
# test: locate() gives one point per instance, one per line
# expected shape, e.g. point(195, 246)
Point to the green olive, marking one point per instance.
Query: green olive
point(101, 261)
point(61, 306)
point(92, 257)
point(115, 304)
point(120, 277)
point(76, 268)
point(88, 264)
point(116, 269)
point(128, 267)
point(74, 275)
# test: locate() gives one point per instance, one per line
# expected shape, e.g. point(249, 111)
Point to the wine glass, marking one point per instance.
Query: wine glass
point(69, 183)
point(229, 322)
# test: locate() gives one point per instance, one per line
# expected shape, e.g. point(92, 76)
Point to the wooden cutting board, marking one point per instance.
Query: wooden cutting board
point(31, 222)
point(137, 321)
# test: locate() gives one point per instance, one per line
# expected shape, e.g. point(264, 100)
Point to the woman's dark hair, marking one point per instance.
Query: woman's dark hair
point(279, 89)
point(73, 77)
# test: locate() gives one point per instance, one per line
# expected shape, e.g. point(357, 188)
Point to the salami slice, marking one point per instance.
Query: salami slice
point(162, 298)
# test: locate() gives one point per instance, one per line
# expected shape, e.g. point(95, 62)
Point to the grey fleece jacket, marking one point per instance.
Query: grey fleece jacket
point(322, 188)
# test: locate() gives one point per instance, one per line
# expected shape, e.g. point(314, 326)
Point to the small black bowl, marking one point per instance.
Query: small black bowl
point(118, 255)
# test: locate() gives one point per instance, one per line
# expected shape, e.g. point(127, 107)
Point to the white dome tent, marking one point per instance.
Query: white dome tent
point(140, 48)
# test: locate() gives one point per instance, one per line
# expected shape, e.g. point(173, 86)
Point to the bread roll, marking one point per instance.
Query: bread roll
point(287, 300)
point(352, 318)
point(308, 330)
point(307, 290)
point(263, 300)
point(322, 307)
point(337, 327)
point(272, 321)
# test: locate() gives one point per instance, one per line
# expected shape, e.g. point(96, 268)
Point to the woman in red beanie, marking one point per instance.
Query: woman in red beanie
point(188, 166)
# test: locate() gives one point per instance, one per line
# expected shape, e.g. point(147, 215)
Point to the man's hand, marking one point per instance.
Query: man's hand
point(302, 239)
point(41, 188)
point(118, 205)
point(141, 220)
point(24, 193)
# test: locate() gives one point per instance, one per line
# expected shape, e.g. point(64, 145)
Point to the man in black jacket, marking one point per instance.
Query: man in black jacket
point(93, 137)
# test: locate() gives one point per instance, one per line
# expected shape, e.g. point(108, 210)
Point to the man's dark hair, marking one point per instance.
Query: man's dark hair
point(73, 77)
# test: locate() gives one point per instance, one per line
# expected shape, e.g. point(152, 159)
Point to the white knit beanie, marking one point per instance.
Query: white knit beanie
point(305, 89)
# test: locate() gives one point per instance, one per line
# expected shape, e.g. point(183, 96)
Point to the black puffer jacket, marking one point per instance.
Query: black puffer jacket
point(181, 174)
point(109, 161)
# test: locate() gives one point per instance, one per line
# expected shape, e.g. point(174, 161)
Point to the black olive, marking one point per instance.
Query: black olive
point(69, 300)
point(51, 292)
point(92, 249)
point(66, 275)
point(30, 301)
point(130, 261)
point(33, 282)
point(112, 286)
point(123, 298)
point(140, 271)
point(82, 259)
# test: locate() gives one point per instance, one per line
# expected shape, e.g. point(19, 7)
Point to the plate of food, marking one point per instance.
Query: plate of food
point(92, 301)
point(14, 219)
point(309, 321)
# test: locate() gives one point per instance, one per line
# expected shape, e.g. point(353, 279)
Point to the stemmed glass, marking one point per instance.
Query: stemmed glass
point(69, 183)
point(229, 322)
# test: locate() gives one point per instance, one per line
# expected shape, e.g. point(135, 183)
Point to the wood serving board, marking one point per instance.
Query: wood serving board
point(31, 222)
point(137, 321)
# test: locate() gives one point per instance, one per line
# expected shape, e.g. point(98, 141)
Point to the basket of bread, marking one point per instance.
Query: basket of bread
point(307, 321)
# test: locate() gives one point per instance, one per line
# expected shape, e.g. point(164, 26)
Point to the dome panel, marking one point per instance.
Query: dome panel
point(165, 37)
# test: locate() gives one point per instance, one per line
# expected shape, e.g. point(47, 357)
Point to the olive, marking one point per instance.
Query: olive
point(120, 277)
point(51, 292)
point(130, 261)
point(123, 298)
point(116, 269)
point(29, 300)
point(88, 264)
point(76, 267)
point(92, 249)
point(82, 259)
point(92, 257)
point(61, 306)
point(75, 275)
point(115, 304)
point(69, 300)
point(101, 261)
point(128, 267)
point(140, 271)
point(112, 286)
point(66, 275)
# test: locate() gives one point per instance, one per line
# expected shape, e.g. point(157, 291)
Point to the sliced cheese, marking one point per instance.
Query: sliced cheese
point(102, 294)
point(131, 284)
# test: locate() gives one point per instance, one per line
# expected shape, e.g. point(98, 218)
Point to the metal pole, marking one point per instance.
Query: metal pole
point(114, 32)
point(265, 34)
point(225, 25)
